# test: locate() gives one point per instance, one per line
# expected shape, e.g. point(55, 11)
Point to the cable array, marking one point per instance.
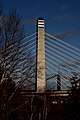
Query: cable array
point(22, 57)
point(61, 58)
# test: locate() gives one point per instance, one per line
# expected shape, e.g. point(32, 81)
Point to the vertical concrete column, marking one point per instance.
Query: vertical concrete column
point(40, 56)
point(58, 83)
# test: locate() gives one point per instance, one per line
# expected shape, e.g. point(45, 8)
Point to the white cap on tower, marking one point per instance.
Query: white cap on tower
point(41, 22)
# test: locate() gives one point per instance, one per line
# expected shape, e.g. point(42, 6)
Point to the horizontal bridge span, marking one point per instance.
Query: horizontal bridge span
point(62, 93)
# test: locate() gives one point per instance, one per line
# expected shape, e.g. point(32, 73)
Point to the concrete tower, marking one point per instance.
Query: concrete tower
point(40, 58)
point(58, 82)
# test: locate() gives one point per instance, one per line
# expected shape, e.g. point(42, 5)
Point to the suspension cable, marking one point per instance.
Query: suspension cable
point(69, 51)
point(61, 53)
point(69, 45)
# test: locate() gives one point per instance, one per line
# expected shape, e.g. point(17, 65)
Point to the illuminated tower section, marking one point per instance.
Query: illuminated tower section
point(40, 56)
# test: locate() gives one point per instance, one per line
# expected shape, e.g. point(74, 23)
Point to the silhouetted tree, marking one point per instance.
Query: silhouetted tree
point(11, 34)
point(7, 87)
point(72, 107)
point(11, 54)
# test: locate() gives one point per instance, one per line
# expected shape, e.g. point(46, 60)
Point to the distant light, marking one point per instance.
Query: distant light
point(61, 102)
point(54, 102)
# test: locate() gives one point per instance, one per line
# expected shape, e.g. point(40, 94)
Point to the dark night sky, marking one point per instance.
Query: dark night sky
point(61, 17)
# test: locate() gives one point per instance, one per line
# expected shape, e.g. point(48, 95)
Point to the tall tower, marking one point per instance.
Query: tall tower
point(58, 82)
point(40, 58)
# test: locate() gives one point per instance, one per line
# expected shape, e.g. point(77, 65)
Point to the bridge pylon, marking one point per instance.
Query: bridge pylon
point(40, 56)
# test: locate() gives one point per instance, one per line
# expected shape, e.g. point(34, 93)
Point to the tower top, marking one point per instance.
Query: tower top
point(40, 22)
point(40, 18)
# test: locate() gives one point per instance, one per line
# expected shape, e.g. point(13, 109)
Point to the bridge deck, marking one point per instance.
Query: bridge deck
point(47, 93)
